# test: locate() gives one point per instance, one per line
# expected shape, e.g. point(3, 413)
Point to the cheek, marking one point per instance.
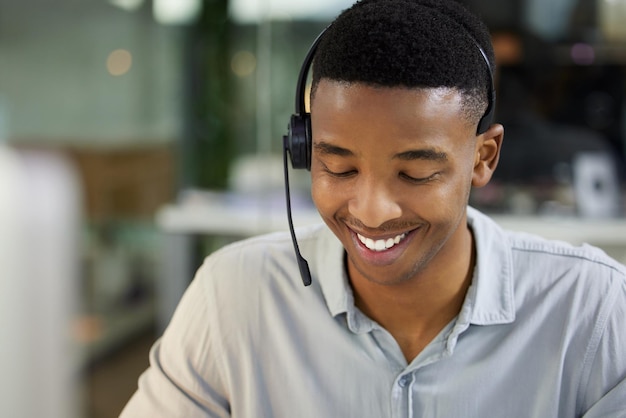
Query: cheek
point(464, 173)
point(316, 194)
point(323, 195)
point(443, 201)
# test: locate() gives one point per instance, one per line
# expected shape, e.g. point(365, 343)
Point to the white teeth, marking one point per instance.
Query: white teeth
point(381, 244)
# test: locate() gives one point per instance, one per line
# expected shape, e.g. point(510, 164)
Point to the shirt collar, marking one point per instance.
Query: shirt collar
point(490, 298)
point(332, 274)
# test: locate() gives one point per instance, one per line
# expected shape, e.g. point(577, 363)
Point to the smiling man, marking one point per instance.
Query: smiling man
point(419, 305)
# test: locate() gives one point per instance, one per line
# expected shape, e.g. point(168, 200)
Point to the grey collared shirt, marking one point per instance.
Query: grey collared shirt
point(542, 333)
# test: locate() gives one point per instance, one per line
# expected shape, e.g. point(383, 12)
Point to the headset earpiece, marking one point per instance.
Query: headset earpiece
point(298, 141)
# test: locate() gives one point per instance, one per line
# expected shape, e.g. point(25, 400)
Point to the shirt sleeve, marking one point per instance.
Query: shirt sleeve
point(184, 377)
point(606, 386)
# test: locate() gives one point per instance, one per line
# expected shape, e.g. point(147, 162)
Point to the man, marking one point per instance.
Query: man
point(419, 306)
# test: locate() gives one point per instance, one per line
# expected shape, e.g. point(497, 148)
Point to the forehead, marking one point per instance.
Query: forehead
point(357, 109)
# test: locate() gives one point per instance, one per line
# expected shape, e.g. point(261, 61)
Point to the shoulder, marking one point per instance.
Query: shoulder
point(260, 250)
point(545, 271)
point(537, 251)
point(239, 283)
point(583, 278)
point(580, 284)
point(551, 254)
point(256, 262)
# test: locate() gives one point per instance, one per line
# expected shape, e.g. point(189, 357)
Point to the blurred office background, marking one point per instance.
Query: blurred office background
point(138, 135)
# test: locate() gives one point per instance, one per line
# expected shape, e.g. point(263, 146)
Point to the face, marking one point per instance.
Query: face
point(391, 173)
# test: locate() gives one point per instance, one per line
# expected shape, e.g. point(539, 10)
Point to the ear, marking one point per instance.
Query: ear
point(487, 154)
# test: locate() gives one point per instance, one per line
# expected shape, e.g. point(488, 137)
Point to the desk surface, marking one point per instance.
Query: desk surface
point(228, 214)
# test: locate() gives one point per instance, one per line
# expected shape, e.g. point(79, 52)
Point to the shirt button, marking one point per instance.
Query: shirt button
point(405, 380)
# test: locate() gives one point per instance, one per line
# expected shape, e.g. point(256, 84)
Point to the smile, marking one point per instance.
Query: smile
point(381, 244)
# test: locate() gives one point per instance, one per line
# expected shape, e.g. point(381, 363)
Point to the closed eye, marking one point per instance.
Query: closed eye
point(337, 173)
point(419, 180)
point(342, 174)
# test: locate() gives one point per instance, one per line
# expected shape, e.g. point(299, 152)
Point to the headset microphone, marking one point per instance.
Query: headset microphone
point(303, 265)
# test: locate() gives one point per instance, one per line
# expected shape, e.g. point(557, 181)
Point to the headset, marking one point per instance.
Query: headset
point(297, 143)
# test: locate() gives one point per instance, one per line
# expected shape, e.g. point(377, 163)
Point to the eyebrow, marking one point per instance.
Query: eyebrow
point(325, 148)
point(429, 154)
point(422, 154)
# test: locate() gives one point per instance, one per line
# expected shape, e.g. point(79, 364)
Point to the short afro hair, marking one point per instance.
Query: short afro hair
point(409, 43)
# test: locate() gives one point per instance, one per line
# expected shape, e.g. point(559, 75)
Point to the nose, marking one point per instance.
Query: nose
point(374, 203)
